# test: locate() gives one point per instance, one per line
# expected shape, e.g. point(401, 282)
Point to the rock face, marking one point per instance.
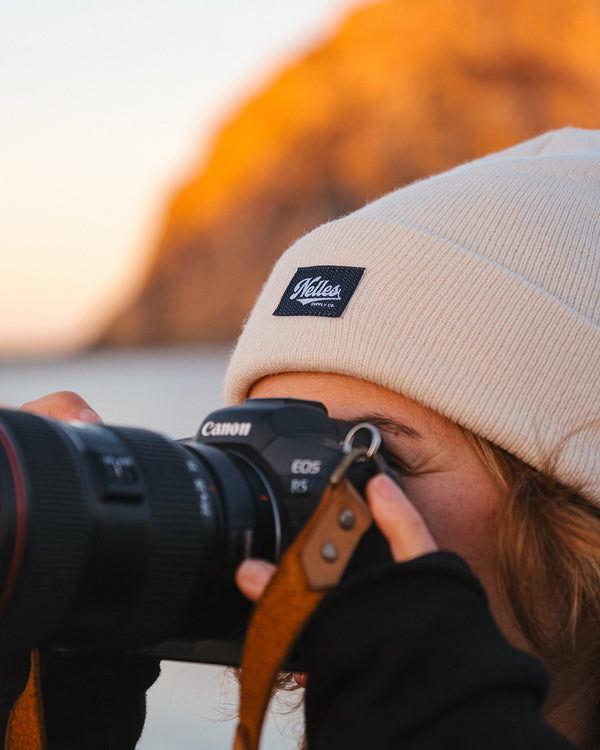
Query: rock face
point(404, 89)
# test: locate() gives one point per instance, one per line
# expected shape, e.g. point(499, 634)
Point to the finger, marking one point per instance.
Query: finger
point(400, 522)
point(63, 405)
point(253, 576)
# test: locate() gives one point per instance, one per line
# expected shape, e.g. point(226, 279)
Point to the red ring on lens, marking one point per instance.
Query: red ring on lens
point(20, 517)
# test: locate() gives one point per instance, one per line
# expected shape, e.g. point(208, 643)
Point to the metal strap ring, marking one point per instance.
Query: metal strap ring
point(375, 439)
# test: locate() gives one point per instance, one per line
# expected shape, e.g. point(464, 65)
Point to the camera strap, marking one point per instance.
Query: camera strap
point(313, 564)
point(25, 729)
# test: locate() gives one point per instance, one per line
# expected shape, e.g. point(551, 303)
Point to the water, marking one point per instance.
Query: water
point(170, 391)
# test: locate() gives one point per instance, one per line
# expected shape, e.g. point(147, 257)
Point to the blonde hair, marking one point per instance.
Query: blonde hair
point(548, 546)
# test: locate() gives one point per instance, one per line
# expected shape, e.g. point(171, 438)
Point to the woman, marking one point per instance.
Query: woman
point(460, 314)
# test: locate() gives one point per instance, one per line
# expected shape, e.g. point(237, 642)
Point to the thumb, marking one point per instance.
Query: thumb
point(63, 405)
point(398, 519)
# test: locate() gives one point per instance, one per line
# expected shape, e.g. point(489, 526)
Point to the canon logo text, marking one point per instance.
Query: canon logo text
point(230, 429)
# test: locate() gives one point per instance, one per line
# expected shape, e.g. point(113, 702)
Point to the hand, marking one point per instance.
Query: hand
point(64, 405)
point(399, 521)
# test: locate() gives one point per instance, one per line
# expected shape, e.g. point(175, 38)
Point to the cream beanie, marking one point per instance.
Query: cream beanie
point(475, 292)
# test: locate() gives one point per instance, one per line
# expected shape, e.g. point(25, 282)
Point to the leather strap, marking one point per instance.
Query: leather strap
point(25, 729)
point(313, 563)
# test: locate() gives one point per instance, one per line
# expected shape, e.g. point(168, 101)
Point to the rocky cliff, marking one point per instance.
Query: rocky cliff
point(403, 89)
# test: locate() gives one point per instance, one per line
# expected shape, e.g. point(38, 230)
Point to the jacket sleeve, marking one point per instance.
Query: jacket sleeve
point(409, 656)
point(91, 701)
point(96, 701)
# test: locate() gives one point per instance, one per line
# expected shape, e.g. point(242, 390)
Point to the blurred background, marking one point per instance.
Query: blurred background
point(156, 158)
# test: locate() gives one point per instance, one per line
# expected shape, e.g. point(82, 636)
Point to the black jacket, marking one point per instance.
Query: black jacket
point(91, 701)
point(409, 656)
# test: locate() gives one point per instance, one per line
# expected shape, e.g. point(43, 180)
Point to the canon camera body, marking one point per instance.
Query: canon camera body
point(120, 538)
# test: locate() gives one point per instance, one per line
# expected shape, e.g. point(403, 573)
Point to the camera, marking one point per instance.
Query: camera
point(124, 539)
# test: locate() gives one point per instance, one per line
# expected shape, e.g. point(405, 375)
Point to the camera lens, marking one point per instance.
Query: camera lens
point(116, 537)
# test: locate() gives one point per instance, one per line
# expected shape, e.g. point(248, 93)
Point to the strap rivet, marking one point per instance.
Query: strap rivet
point(329, 552)
point(346, 519)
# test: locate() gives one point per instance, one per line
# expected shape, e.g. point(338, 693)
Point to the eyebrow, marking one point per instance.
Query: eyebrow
point(394, 426)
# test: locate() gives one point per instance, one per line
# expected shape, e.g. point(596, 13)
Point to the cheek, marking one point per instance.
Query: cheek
point(461, 515)
point(463, 518)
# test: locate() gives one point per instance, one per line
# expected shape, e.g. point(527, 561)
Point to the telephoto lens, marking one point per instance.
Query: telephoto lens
point(124, 539)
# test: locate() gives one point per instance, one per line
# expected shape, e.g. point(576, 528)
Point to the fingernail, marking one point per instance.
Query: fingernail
point(300, 678)
point(89, 415)
point(385, 487)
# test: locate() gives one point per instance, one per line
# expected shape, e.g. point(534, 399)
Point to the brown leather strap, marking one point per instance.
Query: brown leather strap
point(25, 729)
point(314, 563)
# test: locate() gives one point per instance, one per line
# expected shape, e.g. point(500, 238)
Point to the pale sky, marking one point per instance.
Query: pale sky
point(104, 108)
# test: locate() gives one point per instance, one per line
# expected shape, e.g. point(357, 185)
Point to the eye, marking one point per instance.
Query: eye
point(397, 463)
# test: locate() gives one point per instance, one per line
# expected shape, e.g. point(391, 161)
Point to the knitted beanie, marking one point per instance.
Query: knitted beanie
point(475, 292)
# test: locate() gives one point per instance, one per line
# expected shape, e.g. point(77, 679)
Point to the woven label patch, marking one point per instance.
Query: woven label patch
point(320, 290)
